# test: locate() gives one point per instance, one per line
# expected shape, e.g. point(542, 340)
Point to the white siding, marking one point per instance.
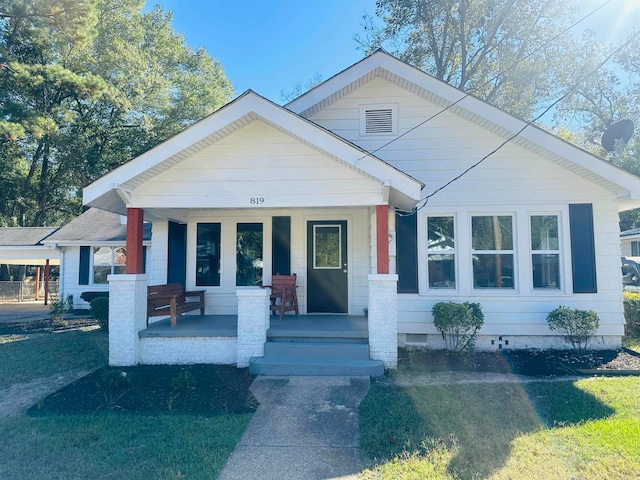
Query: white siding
point(514, 181)
point(222, 300)
point(258, 166)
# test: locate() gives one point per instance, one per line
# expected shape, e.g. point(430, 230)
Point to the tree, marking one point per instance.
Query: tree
point(498, 50)
point(85, 85)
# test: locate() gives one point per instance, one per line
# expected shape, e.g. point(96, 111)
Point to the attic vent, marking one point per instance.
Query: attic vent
point(378, 119)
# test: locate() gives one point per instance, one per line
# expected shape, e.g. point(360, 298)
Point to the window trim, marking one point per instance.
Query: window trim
point(513, 252)
point(92, 265)
point(453, 252)
point(559, 252)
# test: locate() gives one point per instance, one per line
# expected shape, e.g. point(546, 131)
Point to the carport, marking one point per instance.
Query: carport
point(23, 246)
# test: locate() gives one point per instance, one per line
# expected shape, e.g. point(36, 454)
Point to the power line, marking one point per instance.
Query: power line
point(467, 94)
point(529, 123)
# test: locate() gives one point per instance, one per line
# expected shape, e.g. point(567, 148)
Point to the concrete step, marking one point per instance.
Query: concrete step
point(317, 350)
point(329, 367)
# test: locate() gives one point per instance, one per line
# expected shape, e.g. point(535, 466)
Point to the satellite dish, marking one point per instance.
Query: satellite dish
point(617, 135)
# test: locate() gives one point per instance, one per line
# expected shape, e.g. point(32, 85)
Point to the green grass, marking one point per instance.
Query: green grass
point(118, 446)
point(24, 357)
point(632, 343)
point(108, 445)
point(584, 429)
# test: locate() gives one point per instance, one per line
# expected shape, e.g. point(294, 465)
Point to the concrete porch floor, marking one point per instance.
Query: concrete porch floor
point(304, 326)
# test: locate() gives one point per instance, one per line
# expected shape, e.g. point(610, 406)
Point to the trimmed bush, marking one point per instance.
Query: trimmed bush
point(459, 324)
point(100, 309)
point(632, 313)
point(578, 326)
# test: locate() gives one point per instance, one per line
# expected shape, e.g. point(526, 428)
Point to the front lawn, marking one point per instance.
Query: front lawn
point(543, 430)
point(82, 433)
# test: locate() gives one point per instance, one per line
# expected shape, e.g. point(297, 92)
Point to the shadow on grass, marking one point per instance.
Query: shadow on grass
point(478, 422)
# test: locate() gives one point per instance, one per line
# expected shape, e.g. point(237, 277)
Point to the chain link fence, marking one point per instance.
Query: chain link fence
point(25, 291)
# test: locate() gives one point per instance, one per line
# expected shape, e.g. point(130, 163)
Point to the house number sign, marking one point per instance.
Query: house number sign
point(256, 200)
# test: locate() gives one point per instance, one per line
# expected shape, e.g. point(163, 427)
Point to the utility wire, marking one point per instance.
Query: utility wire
point(529, 123)
point(467, 94)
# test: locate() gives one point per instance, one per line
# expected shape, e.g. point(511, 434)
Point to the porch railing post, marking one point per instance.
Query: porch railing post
point(127, 316)
point(253, 323)
point(383, 319)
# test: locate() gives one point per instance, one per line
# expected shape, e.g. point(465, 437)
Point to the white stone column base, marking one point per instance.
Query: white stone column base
point(127, 316)
point(253, 323)
point(383, 318)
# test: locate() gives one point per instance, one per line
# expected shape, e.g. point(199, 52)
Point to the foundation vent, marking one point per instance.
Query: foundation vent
point(416, 338)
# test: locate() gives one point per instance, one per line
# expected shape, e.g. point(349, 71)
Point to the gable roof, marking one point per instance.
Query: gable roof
point(94, 227)
point(544, 144)
point(112, 192)
point(24, 236)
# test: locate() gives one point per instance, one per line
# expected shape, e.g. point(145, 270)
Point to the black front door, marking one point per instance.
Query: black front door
point(327, 267)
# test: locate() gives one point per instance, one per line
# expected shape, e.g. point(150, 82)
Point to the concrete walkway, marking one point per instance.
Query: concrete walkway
point(305, 428)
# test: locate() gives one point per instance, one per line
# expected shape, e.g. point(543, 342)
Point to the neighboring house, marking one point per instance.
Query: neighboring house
point(91, 247)
point(630, 243)
point(24, 246)
point(326, 187)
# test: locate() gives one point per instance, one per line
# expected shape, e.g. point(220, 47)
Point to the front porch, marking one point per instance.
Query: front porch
point(290, 326)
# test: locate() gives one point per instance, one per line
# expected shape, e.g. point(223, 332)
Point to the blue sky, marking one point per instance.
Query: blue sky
point(270, 45)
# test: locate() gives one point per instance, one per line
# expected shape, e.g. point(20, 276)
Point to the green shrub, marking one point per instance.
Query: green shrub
point(632, 313)
point(100, 309)
point(60, 306)
point(578, 326)
point(459, 324)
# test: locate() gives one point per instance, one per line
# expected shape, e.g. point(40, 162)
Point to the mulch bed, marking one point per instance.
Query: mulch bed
point(155, 390)
point(524, 362)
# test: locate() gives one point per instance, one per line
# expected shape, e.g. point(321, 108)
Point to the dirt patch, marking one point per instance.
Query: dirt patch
point(155, 389)
point(520, 362)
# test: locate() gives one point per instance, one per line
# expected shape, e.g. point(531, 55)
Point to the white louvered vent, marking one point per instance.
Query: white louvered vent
point(379, 121)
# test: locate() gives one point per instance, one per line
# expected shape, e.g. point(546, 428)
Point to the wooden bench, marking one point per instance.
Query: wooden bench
point(170, 299)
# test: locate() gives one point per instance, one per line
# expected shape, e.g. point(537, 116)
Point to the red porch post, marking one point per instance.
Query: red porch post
point(382, 238)
point(135, 231)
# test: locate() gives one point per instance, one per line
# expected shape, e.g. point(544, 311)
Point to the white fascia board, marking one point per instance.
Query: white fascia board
point(271, 113)
point(91, 243)
point(628, 182)
point(168, 148)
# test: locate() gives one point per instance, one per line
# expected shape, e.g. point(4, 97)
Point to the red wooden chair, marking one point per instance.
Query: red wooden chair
point(283, 294)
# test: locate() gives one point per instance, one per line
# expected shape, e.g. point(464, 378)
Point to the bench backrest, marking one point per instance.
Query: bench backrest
point(165, 290)
point(282, 282)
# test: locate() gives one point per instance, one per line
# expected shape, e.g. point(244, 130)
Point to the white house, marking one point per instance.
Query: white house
point(334, 187)
point(630, 243)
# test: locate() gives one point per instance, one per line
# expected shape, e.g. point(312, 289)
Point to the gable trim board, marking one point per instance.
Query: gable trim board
point(311, 157)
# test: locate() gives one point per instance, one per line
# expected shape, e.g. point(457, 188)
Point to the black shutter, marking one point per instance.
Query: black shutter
point(281, 245)
point(177, 254)
point(83, 274)
point(583, 256)
point(407, 252)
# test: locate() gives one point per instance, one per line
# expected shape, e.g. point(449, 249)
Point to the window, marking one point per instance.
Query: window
point(378, 119)
point(249, 259)
point(492, 251)
point(107, 261)
point(441, 267)
point(208, 254)
point(545, 248)
point(635, 251)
